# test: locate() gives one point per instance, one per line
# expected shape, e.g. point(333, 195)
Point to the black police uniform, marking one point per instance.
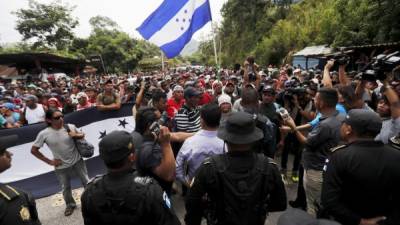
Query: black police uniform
point(17, 207)
point(207, 183)
point(362, 180)
point(123, 198)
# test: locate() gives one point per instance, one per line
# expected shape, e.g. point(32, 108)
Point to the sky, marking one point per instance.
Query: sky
point(128, 14)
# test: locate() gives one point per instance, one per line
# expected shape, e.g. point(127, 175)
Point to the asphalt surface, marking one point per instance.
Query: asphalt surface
point(51, 209)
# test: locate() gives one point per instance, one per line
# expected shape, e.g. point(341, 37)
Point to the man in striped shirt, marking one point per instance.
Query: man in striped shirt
point(188, 117)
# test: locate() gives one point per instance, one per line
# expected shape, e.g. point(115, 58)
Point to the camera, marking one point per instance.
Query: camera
point(284, 113)
point(155, 129)
point(380, 66)
point(341, 58)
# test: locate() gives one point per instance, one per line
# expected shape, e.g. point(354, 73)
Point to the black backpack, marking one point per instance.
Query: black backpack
point(240, 198)
point(129, 209)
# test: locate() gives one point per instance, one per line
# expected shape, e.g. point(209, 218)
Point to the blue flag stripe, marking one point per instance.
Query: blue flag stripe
point(200, 17)
point(164, 13)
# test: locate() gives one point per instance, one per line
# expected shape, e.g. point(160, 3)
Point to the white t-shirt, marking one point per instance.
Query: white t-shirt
point(36, 115)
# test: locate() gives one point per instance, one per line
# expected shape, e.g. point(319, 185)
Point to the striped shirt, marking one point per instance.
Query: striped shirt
point(188, 120)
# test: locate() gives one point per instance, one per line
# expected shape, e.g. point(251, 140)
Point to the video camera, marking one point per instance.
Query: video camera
point(341, 57)
point(380, 66)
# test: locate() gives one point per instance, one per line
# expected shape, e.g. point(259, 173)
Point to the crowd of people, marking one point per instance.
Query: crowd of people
point(219, 135)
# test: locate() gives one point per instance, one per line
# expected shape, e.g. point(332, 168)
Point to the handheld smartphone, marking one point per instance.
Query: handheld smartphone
point(284, 113)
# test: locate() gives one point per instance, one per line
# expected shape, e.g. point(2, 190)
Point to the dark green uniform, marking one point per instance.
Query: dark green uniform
point(17, 207)
point(123, 198)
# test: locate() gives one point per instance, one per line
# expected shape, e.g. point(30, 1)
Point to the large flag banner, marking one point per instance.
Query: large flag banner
point(172, 25)
point(31, 174)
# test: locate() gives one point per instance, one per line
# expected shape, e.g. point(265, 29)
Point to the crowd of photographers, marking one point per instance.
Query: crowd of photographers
point(183, 117)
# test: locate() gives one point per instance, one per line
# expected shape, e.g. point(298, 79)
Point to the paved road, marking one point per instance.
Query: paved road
point(51, 208)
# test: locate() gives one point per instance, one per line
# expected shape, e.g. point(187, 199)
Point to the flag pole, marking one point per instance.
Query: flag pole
point(215, 50)
point(162, 61)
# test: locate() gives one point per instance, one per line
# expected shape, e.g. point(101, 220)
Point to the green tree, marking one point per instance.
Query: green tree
point(48, 25)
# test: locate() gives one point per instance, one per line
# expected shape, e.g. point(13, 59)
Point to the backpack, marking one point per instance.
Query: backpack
point(241, 198)
point(84, 148)
point(127, 209)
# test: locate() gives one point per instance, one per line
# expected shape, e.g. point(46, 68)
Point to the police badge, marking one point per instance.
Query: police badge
point(24, 213)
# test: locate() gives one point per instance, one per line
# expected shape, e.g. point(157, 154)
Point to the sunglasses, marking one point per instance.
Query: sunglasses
point(58, 117)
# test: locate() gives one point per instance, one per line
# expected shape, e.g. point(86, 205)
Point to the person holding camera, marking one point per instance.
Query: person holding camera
point(155, 158)
point(389, 109)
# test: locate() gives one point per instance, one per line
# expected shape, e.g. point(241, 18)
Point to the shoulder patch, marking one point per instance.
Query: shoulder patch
point(338, 148)
point(95, 179)
point(166, 200)
point(143, 180)
point(207, 161)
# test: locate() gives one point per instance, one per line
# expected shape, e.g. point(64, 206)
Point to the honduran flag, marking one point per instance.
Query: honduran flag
point(172, 25)
point(33, 175)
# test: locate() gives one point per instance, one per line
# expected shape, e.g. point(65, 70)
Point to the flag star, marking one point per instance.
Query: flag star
point(190, 20)
point(103, 134)
point(184, 20)
point(177, 19)
point(186, 11)
point(122, 123)
point(181, 28)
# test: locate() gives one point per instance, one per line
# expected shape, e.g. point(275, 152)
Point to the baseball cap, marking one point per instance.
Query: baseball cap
point(8, 105)
point(299, 217)
point(362, 120)
point(269, 88)
point(191, 92)
point(30, 98)
point(7, 142)
point(116, 145)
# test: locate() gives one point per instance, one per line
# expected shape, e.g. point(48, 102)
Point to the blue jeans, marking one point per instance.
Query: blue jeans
point(64, 177)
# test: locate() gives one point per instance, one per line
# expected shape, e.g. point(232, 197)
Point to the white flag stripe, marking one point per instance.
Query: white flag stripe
point(178, 25)
point(25, 165)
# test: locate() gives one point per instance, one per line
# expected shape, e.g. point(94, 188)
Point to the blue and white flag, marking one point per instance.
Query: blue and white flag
point(32, 175)
point(173, 24)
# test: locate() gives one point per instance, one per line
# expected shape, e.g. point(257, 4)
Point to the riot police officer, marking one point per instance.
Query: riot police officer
point(16, 206)
point(241, 187)
point(120, 197)
point(362, 178)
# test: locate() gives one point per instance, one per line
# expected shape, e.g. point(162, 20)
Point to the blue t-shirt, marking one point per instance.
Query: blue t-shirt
point(3, 121)
point(339, 107)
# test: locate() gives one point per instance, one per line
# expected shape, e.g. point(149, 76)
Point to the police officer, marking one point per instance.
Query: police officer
point(241, 187)
point(16, 206)
point(362, 179)
point(120, 197)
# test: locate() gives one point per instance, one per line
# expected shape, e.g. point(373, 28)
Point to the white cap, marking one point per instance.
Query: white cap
point(224, 99)
point(178, 88)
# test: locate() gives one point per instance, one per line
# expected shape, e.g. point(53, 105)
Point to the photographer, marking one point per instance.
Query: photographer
point(155, 158)
point(389, 110)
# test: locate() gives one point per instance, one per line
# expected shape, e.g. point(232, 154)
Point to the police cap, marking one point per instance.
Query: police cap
point(362, 120)
point(115, 146)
